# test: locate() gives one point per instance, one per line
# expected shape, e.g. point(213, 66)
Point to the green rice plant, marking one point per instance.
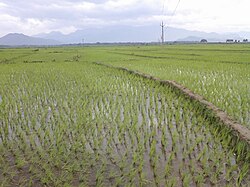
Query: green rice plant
point(87, 124)
point(244, 171)
point(171, 182)
point(187, 180)
point(167, 170)
point(199, 179)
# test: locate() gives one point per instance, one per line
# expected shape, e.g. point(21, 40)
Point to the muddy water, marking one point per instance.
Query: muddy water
point(138, 127)
point(123, 135)
point(180, 142)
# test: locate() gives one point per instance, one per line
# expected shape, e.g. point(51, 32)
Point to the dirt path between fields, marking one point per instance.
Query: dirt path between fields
point(241, 131)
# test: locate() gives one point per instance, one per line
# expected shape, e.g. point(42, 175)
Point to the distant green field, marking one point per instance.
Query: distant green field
point(65, 121)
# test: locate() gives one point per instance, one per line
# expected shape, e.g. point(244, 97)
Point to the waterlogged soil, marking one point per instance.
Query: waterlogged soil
point(179, 138)
point(122, 150)
point(111, 129)
point(240, 130)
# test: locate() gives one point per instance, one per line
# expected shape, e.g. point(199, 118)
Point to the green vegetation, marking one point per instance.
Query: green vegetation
point(65, 121)
point(220, 73)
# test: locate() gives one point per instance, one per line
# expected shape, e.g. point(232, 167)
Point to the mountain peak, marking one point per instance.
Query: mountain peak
point(17, 39)
point(14, 34)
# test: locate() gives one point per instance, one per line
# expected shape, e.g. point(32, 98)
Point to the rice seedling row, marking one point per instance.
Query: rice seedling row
point(83, 124)
point(220, 73)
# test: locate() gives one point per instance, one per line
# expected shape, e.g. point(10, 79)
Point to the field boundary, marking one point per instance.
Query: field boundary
point(240, 131)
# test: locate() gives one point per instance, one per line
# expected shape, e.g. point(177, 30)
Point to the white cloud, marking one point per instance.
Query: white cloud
point(214, 15)
point(2, 5)
point(85, 6)
point(35, 16)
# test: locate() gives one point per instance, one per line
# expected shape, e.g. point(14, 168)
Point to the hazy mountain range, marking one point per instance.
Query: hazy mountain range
point(119, 34)
point(15, 39)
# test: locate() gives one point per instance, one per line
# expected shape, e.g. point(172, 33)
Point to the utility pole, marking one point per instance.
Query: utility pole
point(162, 32)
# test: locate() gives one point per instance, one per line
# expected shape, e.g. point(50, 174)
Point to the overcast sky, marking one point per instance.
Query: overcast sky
point(36, 16)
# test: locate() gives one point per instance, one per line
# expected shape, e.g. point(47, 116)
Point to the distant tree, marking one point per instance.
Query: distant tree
point(203, 41)
point(230, 41)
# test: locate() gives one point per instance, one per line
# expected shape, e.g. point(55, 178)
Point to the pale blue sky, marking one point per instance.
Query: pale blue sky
point(36, 16)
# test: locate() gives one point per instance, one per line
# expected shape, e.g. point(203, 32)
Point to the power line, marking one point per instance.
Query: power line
point(172, 15)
